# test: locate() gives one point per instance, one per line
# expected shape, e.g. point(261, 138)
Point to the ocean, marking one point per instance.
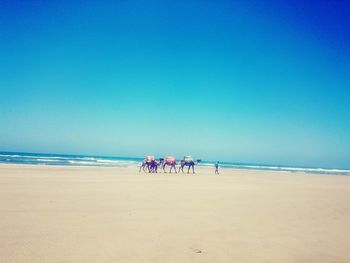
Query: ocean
point(108, 161)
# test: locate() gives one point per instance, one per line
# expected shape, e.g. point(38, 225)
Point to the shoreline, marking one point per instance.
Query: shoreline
point(203, 168)
point(110, 161)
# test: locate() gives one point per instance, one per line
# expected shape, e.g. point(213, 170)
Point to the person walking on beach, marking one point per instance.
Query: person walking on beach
point(217, 167)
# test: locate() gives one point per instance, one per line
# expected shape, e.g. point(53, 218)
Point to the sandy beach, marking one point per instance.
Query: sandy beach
point(93, 214)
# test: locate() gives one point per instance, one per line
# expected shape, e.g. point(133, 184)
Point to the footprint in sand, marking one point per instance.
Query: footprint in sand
point(195, 250)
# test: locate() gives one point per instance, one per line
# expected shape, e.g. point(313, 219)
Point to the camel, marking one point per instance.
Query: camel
point(169, 161)
point(153, 166)
point(146, 163)
point(188, 161)
point(150, 164)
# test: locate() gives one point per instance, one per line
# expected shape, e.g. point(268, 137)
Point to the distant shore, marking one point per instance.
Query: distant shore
point(115, 214)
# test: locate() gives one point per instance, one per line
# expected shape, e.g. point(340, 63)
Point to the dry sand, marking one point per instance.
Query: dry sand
point(77, 214)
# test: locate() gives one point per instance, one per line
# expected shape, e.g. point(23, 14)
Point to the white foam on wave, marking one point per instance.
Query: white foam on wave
point(292, 169)
point(48, 157)
point(124, 162)
point(45, 160)
point(8, 155)
point(108, 161)
point(101, 162)
point(34, 156)
point(82, 162)
point(85, 158)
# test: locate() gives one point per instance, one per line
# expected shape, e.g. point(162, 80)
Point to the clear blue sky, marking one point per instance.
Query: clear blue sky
point(243, 81)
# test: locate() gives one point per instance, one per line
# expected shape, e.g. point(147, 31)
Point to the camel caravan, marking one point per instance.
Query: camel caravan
point(151, 165)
